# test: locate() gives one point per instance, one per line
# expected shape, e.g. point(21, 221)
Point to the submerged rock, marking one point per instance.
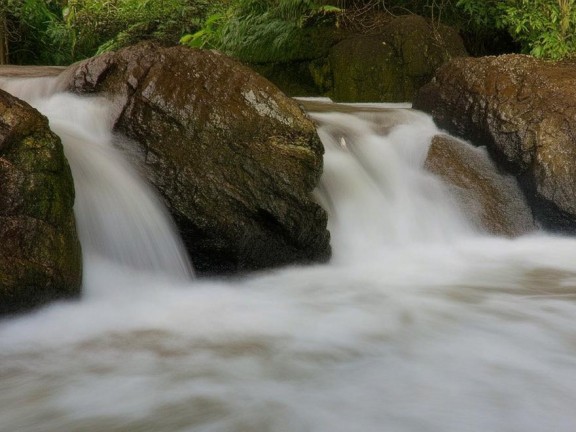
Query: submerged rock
point(234, 158)
point(40, 257)
point(523, 110)
point(491, 199)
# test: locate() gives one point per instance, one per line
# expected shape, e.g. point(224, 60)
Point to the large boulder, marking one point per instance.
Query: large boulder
point(391, 65)
point(385, 59)
point(523, 110)
point(40, 257)
point(234, 158)
point(492, 200)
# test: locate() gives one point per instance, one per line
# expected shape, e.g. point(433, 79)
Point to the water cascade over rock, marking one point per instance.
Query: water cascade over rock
point(523, 110)
point(418, 323)
point(234, 159)
point(40, 258)
point(490, 198)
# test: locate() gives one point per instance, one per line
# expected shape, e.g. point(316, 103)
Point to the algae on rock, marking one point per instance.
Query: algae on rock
point(40, 256)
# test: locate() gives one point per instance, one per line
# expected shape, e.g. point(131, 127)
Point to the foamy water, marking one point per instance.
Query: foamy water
point(419, 323)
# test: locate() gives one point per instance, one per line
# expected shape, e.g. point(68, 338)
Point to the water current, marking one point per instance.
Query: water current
point(419, 323)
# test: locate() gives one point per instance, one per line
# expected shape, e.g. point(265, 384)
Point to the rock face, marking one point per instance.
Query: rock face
point(524, 111)
point(233, 157)
point(388, 62)
point(491, 199)
point(40, 257)
point(391, 65)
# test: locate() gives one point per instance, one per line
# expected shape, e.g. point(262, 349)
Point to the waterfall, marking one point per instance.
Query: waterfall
point(419, 323)
point(374, 162)
point(118, 215)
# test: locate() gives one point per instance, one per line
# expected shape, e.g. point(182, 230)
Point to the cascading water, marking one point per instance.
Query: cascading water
point(118, 215)
point(417, 324)
point(374, 163)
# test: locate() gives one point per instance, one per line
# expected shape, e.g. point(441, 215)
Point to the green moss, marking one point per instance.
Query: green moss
point(40, 256)
point(367, 69)
point(321, 73)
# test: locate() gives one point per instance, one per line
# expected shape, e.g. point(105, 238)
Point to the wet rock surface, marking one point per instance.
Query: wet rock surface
point(385, 60)
point(40, 256)
point(490, 198)
point(390, 65)
point(234, 158)
point(523, 110)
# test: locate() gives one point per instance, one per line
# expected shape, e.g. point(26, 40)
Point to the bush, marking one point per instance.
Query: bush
point(30, 31)
point(61, 32)
point(111, 24)
point(259, 30)
point(544, 28)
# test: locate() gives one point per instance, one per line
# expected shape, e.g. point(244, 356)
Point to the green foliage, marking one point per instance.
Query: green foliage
point(544, 28)
point(259, 30)
point(33, 28)
point(112, 24)
point(63, 31)
point(268, 30)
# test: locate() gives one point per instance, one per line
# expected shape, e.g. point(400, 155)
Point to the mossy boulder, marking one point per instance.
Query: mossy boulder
point(384, 60)
point(234, 158)
point(392, 64)
point(40, 256)
point(522, 109)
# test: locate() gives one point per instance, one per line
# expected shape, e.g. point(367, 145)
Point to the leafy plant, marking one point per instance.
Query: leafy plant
point(258, 30)
point(30, 27)
point(544, 28)
point(63, 31)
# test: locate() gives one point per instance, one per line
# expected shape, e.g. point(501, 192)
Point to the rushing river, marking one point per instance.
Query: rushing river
point(419, 323)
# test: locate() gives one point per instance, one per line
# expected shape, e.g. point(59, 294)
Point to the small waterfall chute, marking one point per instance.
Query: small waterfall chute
point(118, 215)
point(374, 185)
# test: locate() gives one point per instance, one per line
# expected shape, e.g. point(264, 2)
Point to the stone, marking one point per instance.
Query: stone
point(234, 158)
point(391, 64)
point(491, 199)
point(40, 255)
point(523, 110)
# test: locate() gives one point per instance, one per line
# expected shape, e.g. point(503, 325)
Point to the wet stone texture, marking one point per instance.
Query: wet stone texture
point(490, 198)
point(234, 158)
point(524, 111)
point(40, 257)
point(394, 62)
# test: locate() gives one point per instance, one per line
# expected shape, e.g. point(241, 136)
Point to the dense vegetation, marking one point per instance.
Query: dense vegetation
point(63, 31)
point(544, 28)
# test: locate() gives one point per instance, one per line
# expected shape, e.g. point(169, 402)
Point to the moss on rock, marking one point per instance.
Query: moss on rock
point(391, 64)
point(235, 159)
point(40, 257)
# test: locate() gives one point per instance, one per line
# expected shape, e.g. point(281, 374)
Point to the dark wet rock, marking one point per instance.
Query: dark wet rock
point(491, 199)
point(523, 110)
point(391, 65)
point(234, 158)
point(40, 257)
point(385, 60)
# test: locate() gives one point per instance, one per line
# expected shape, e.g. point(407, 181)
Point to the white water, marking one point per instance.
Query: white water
point(118, 215)
point(418, 323)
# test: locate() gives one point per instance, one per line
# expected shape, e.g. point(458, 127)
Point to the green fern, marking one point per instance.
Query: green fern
point(258, 31)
